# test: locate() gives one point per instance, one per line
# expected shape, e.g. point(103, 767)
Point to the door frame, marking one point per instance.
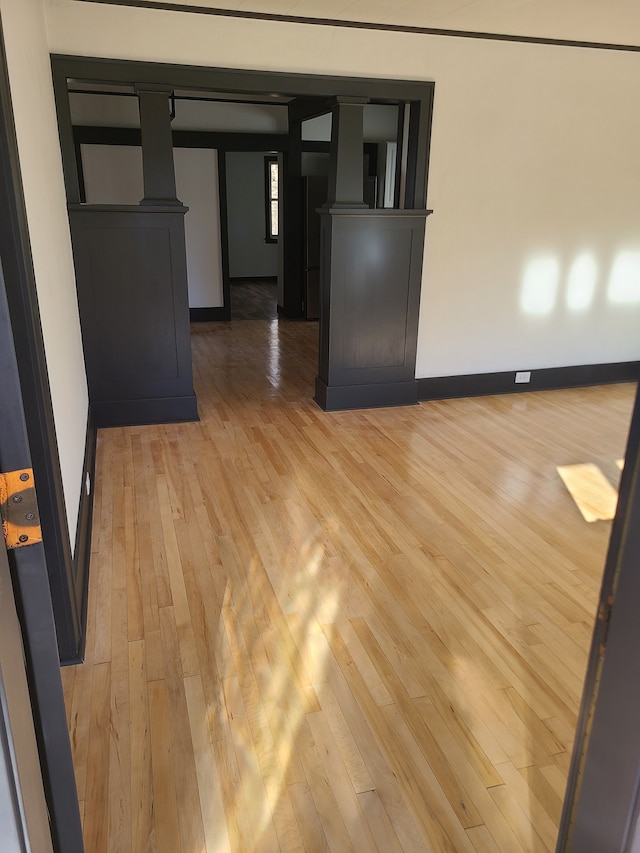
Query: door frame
point(22, 799)
point(602, 802)
point(15, 252)
point(42, 571)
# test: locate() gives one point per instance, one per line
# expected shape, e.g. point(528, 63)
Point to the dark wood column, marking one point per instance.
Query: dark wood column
point(157, 145)
point(370, 271)
point(292, 232)
point(346, 165)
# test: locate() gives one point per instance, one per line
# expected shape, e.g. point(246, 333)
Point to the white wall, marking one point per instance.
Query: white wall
point(250, 256)
point(104, 110)
point(113, 175)
point(239, 118)
point(533, 165)
point(36, 130)
point(197, 186)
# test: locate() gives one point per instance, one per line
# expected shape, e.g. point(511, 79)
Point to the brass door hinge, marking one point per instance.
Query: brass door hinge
point(19, 509)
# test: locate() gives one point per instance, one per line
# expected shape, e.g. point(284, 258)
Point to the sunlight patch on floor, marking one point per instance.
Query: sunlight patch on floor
point(594, 495)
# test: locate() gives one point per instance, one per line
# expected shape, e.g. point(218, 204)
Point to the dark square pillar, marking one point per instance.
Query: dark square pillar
point(346, 165)
point(157, 145)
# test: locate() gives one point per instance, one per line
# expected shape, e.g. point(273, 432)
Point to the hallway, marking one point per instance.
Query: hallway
point(353, 631)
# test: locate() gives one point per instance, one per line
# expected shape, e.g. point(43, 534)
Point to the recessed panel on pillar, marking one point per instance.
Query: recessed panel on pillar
point(132, 294)
point(370, 301)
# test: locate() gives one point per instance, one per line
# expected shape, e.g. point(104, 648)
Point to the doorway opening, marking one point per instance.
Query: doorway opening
point(201, 125)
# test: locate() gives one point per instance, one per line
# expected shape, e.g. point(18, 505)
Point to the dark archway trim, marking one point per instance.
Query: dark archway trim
point(237, 81)
point(42, 573)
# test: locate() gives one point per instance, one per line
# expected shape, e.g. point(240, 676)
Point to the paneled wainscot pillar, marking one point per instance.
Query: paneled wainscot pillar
point(132, 293)
point(371, 270)
point(131, 271)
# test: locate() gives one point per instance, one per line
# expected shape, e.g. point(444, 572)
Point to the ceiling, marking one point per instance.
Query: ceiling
point(609, 21)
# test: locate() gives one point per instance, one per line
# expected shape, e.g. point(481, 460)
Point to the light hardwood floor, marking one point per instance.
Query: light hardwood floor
point(356, 631)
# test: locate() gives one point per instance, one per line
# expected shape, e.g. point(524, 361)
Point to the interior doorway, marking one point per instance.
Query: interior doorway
point(158, 388)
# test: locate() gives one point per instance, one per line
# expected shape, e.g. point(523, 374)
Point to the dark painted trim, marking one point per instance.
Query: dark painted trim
point(205, 315)
point(158, 171)
point(82, 550)
point(218, 79)
point(42, 572)
point(337, 398)
point(22, 298)
point(309, 147)
point(411, 163)
point(221, 140)
point(229, 141)
point(546, 379)
point(65, 133)
point(201, 98)
point(89, 135)
point(81, 185)
point(142, 209)
point(601, 801)
point(85, 134)
point(364, 25)
point(302, 109)
point(291, 190)
point(376, 89)
point(255, 278)
point(164, 410)
point(224, 231)
point(400, 132)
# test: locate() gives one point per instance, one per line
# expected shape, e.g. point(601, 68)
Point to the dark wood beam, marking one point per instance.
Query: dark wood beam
point(292, 232)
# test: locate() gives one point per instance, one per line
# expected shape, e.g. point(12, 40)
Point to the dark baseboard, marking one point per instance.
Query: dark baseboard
point(82, 550)
point(206, 315)
point(158, 410)
point(283, 312)
point(546, 379)
point(335, 398)
point(254, 279)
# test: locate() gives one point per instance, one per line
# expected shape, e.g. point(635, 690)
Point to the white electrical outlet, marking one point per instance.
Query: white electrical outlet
point(523, 376)
point(87, 484)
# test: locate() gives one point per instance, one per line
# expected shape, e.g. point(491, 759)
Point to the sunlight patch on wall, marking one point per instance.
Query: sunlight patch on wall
point(624, 281)
point(581, 282)
point(540, 285)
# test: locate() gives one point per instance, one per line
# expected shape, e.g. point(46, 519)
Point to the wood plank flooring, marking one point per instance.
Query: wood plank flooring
point(336, 632)
point(254, 299)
